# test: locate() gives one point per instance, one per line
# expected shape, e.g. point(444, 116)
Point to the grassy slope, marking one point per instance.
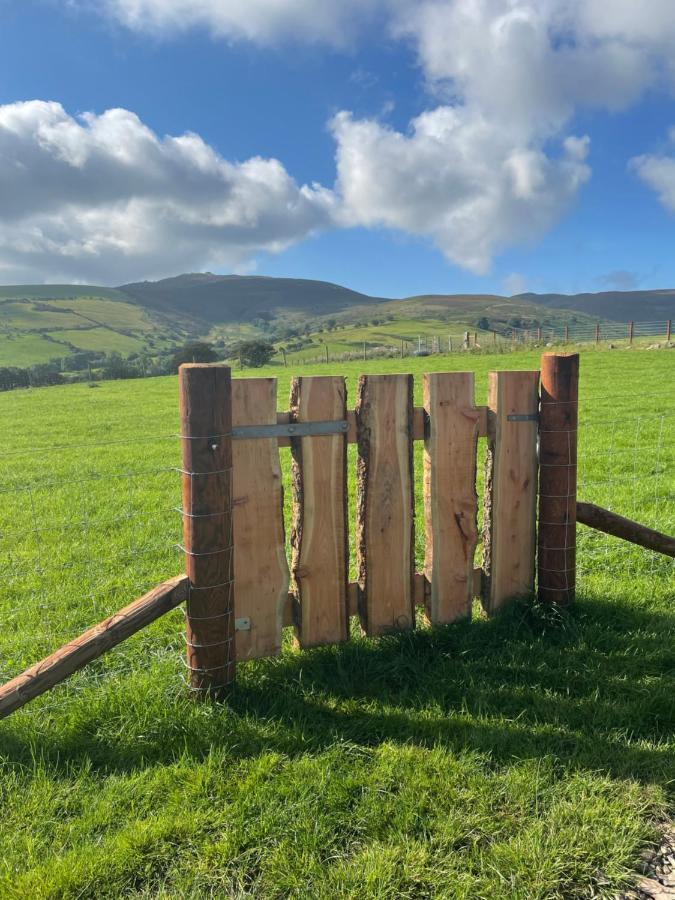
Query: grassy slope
point(35, 329)
point(226, 307)
point(520, 757)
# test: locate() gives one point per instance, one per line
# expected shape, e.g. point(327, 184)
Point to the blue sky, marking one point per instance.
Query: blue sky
point(518, 177)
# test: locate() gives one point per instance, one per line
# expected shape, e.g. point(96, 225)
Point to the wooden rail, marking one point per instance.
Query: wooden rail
point(91, 644)
point(610, 523)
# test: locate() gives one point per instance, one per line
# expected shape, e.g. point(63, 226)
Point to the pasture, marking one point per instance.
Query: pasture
point(527, 756)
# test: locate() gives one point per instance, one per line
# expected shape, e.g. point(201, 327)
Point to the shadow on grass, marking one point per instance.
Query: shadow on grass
point(594, 689)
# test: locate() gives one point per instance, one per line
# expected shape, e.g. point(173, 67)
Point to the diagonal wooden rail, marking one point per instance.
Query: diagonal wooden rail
point(91, 644)
point(603, 520)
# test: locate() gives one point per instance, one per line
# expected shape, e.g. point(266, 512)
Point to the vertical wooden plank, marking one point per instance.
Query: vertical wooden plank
point(319, 534)
point(510, 488)
point(260, 565)
point(206, 429)
point(385, 508)
point(450, 501)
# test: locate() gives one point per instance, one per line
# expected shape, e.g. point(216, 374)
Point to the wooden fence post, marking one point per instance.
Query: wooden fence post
point(206, 430)
point(630, 332)
point(567, 334)
point(597, 333)
point(669, 330)
point(558, 477)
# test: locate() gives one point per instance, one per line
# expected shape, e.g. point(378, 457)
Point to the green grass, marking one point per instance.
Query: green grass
point(528, 756)
point(102, 339)
point(18, 349)
point(389, 334)
point(85, 322)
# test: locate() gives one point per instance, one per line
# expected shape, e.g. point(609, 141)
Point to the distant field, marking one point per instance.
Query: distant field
point(28, 349)
point(83, 322)
point(388, 334)
point(100, 339)
point(521, 757)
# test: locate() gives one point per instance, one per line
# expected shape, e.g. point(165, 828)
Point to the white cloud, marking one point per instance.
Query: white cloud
point(478, 173)
point(490, 164)
point(530, 63)
point(658, 172)
point(103, 198)
point(472, 187)
point(263, 21)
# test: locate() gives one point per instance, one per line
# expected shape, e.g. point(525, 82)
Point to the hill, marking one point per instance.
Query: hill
point(615, 306)
point(242, 298)
point(39, 323)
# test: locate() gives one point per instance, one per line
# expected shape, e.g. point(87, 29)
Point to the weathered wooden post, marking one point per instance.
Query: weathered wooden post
point(597, 333)
point(631, 327)
point(669, 329)
point(558, 477)
point(206, 430)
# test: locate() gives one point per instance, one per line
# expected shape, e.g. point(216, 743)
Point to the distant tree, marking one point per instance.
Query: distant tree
point(254, 354)
point(45, 374)
point(116, 367)
point(483, 324)
point(193, 351)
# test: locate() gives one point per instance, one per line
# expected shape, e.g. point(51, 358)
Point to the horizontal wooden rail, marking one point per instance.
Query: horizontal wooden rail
point(418, 425)
point(91, 644)
point(618, 526)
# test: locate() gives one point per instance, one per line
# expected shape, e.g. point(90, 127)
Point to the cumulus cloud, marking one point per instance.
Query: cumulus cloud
point(471, 187)
point(658, 172)
point(493, 161)
point(495, 164)
point(103, 198)
point(531, 62)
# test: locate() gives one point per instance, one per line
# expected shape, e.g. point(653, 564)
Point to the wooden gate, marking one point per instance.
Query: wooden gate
point(314, 594)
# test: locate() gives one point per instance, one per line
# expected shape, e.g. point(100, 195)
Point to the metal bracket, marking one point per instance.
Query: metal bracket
point(243, 624)
point(526, 417)
point(291, 429)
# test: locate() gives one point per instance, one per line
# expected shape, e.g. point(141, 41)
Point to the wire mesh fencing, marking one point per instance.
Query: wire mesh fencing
point(88, 526)
point(626, 464)
point(85, 528)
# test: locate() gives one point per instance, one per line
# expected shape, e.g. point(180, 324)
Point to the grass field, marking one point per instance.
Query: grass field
point(528, 756)
point(104, 323)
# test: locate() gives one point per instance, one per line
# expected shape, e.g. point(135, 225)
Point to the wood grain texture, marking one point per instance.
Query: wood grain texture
point(450, 500)
point(260, 565)
point(319, 533)
point(510, 489)
point(206, 429)
point(91, 644)
point(385, 506)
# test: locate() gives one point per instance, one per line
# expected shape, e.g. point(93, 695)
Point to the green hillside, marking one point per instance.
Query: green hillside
point(59, 320)
point(39, 323)
point(242, 298)
point(617, 306)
